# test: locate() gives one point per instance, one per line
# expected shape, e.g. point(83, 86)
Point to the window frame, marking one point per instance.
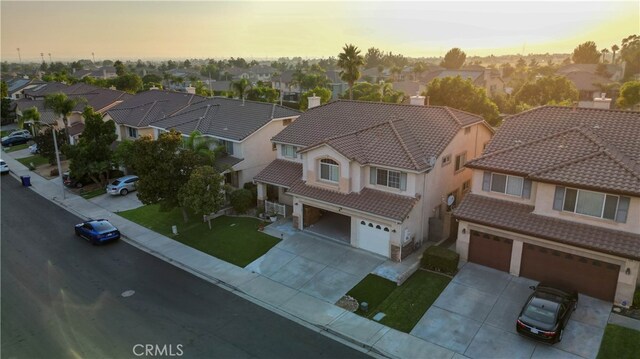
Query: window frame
point(387, 178)
point(603, 203)
point(133, 130)
point(446, 160)
point(335, 165)
point(460, 156)
point(293, 151)
point(506, 184)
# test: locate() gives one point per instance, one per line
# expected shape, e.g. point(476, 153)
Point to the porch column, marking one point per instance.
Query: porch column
point(262, 194)
point(516, 257)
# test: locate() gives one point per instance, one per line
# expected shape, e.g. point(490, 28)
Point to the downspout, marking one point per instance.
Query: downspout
point(424, 195)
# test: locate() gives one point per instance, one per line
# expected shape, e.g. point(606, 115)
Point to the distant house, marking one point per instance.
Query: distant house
point(104, 72)
point(410, 88)
point(261, 73)
point(17, 86)
point(244, 128)
point(285, 83)
point(615, 72)
point(555, 197)
point(590, 87)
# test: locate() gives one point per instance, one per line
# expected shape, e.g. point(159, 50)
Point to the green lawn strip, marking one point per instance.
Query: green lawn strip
point(36, 159)
point(373, 290)
point(407, 303)
point(619, 342)
point(16, 148)
point(93, 193)
point(233, 239)
point(5, 133)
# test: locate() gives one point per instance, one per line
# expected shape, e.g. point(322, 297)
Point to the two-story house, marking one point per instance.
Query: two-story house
point(556, 198)
point(373, 174)
point(244, 128)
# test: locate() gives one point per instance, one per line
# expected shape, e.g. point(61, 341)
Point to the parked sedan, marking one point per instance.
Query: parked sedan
point(4, 167)
point(122, 185)
point(10, 140)
point(546, 313)
point(97, 231)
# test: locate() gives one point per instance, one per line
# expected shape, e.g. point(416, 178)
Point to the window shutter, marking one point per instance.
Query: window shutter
point(558, 198)
point(403, 181)
point(372, 175)
point(526, 188)
point(623, 209)
point(486, 181)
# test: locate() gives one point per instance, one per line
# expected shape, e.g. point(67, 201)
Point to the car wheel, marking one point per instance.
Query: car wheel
point(124, 191)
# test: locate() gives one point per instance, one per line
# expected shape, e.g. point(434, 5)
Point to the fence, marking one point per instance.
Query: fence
point(271, 207)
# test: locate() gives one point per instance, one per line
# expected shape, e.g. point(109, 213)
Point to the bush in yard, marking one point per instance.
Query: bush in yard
point(440, 259)
point(241, 200)
point(254, 192)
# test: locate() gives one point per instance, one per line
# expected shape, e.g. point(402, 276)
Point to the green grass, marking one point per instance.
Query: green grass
point(619, 343)
point(93, 193)
point(5, 133)
point(16, 148)
point(36, 159)
point(233, 239)
point(373, 290)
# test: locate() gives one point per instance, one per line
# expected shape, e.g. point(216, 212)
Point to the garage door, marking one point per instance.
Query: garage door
point(489, 250)
point(588, 276)
point(374, 237)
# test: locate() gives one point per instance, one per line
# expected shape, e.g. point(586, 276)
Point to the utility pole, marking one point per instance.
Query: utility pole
point(94, 57)
point(42, 56)
point(50, 58)
point(19, 57)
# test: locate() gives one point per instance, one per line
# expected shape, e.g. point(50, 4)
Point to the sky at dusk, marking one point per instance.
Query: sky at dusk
point(267, 29)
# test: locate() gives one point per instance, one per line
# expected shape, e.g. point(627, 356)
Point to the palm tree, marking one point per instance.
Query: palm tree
point(201, 146)
point(350, 61)
point(614, 48)
point(418, 69)
point(61, 106)
point(604, 52)
point(30, 115)
point(240, 87)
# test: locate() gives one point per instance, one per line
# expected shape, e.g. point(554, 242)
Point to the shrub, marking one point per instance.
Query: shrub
point(440, 259)
point(241, 200)
point(254, 192)
point(54, 172)
point(636, 299)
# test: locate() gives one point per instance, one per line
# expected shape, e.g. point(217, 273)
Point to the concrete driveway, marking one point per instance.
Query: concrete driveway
point(117, 203)
point(318, 267)
point(476, 314)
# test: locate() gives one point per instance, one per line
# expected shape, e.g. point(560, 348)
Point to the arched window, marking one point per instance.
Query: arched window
point(362, 223)
point(329, 170)
point(378, 227)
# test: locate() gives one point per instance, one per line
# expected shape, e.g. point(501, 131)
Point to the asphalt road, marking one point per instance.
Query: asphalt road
point(61, 297)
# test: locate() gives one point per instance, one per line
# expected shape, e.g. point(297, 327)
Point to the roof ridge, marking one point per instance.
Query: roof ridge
point(147, 113)
point(455, 118)
point(568, 162)
point(327, 139)
point(613, 152)
point(620, 158)
point(404, 146)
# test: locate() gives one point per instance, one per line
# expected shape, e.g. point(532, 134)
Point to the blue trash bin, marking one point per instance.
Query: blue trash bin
point(26, 180)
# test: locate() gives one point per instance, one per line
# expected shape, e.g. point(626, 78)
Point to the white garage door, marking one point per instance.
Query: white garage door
point(374, 237)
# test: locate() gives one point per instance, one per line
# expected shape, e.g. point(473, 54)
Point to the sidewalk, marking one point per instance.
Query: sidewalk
point(366, 335)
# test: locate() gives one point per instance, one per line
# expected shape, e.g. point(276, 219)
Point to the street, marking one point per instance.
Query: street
point(62, 297)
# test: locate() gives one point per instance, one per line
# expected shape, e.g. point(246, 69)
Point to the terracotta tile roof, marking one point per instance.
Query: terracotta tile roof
point(519, 218)
point(153, 105)
point(281, 173)
point(223, 163)
point(224, 118)
point(368, 200)
point(590, 148)
point(402, 136)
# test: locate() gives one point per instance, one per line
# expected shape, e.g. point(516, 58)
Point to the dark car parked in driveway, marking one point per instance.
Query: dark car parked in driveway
point(546, 313)
point(97, 231)
point(14, 140)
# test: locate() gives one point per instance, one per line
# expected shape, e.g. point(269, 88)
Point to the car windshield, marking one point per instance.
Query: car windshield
point(103, 226)
point(541, 310)
point(2, 163)
point(116, 182)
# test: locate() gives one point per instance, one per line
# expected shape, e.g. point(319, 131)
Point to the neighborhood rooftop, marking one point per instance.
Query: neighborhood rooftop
point(403, 136)
point(224, 118)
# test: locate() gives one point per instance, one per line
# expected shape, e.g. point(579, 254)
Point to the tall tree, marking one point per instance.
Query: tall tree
point(203, 147)
point(91, 156)
point(129, 82)
point(46, 147)
point(463, 95)
point(454, 59)
point(263, 94)
point(586, 53)
point(5, 90)
point(604, 53)
point(614, 49)
point(120, 69)
point(373, 57)
point(62, 106)
point(630, 54)
point(547, 90)
point(418, 69)
point(30, 115)
point(629, 94)
point(379, 92)
point(241, 87)
point(350, 60)
point(203, 193)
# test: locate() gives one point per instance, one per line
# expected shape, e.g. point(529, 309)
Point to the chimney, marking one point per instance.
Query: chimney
point(417, 100)
point(602, 102)
point(314, 101)
point(190, 89)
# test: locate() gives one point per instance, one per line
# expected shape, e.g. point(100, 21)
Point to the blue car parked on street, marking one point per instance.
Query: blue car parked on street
point(97, 231)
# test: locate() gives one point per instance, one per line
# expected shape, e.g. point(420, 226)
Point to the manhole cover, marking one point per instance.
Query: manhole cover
point(128, 293)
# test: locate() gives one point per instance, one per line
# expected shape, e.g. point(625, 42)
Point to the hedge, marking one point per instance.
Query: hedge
point(440, 259)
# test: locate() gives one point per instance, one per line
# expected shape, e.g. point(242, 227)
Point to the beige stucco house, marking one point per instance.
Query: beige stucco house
point(373, 175)
point(556, 198)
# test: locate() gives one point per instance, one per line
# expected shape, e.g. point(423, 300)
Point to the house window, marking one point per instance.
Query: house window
point(289, 151)
point(393, 179)
point(461, 159)
point(510, 185)
point(446, 160)
point(228, 147)
point(329, 170)
point(133, 132)
point(590, 203)
point(466, 186)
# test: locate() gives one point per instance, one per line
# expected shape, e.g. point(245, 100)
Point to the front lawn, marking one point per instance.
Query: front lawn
point(233, 239)
point(403, 305)
point(16, 148)
point(619, 342)
point(37, 160)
